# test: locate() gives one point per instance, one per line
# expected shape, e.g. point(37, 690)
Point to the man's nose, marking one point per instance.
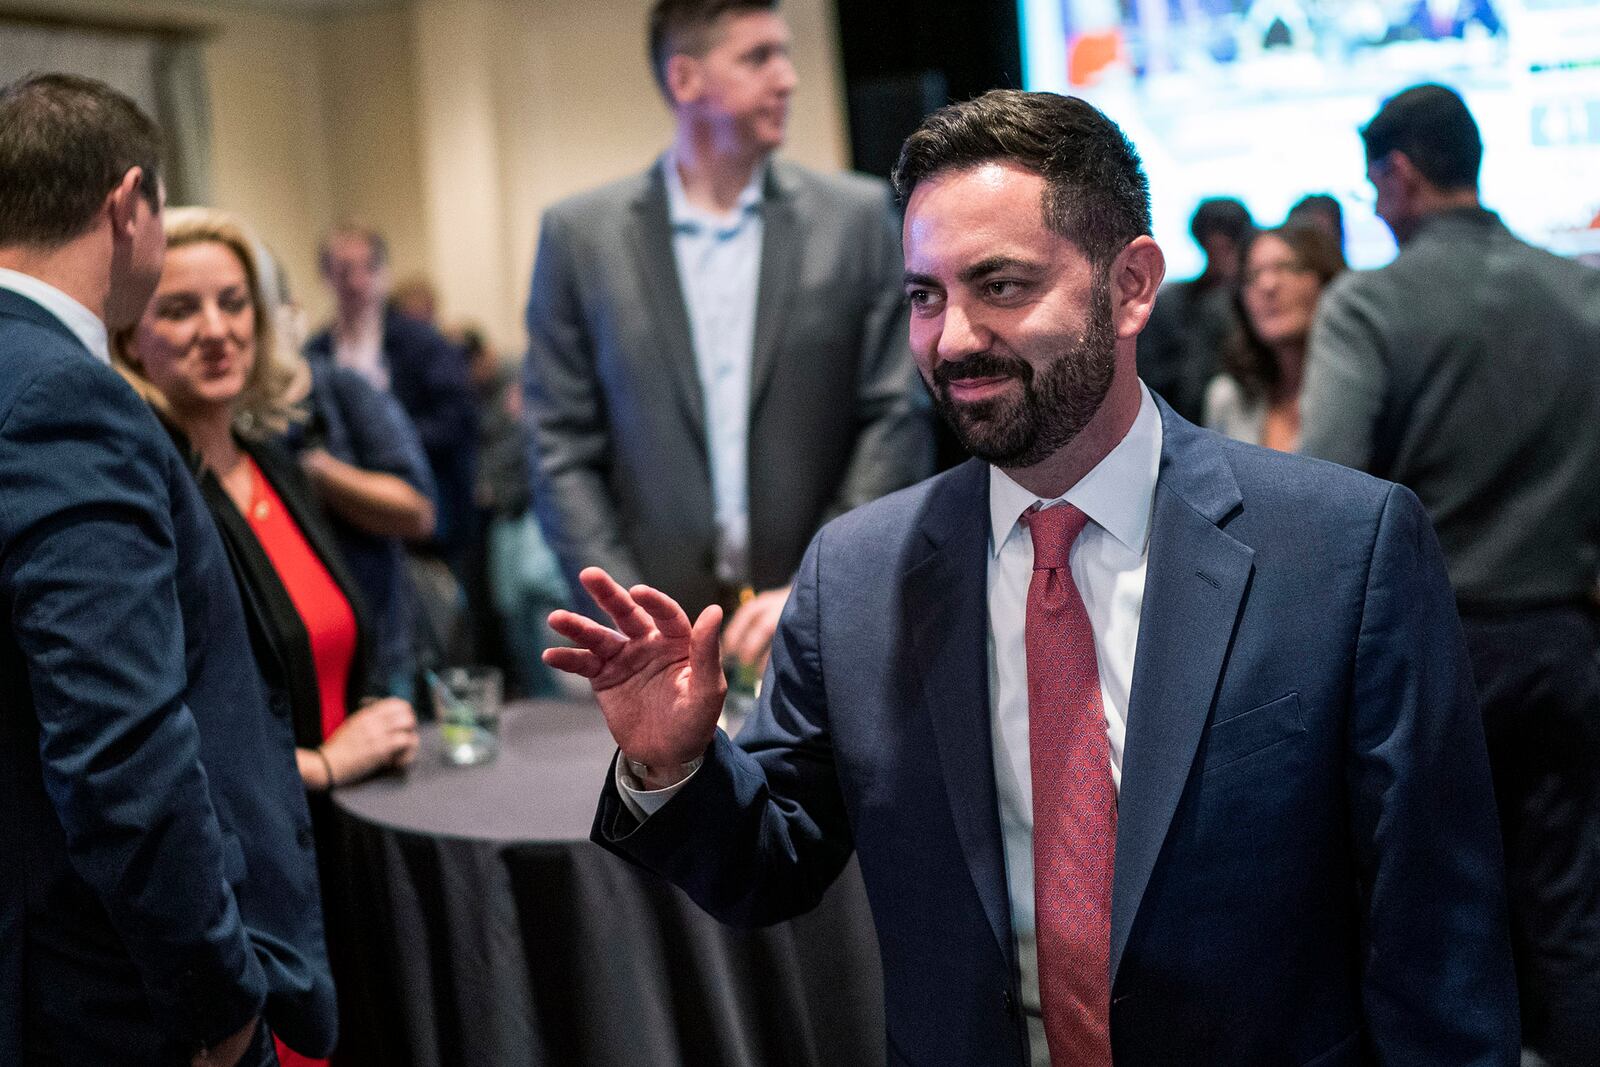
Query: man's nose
point(784, 76)
point(960, 335)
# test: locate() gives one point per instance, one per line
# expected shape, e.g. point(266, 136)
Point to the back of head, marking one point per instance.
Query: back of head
point(684, 27)
point(1221, 216)
point(1431, 126)
point(65, 143)
point(1320, 210)
point(1096, 194)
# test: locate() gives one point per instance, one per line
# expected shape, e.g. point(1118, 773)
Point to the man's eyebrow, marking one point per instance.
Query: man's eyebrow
point(995, 264)
point(981, 269)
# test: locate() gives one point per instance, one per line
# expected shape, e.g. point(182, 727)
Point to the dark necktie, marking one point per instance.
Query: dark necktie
point(1074, 801)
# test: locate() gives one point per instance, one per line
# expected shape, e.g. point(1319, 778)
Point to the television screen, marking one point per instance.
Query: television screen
point(1262, 99)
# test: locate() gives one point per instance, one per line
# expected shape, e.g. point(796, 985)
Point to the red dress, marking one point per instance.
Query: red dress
point(323, 610)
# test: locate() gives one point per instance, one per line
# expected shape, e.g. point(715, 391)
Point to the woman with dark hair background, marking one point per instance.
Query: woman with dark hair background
point(1256, 398)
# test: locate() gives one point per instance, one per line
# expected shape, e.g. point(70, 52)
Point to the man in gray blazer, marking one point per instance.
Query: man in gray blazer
point(1468, 370)
point(692, 331)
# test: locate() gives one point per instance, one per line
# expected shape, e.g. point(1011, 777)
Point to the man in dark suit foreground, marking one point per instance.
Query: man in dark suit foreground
point(1153, 746)
point(158, 891)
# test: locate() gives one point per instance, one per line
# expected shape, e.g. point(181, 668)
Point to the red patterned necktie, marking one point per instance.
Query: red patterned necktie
point(1074, 801)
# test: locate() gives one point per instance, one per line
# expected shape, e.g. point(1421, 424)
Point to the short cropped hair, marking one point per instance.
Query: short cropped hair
point(375, 242)
point(683, 27)
point(65, 143)
point(280, 378)
point(1224, 215)
point(1096, 194)
point(1431, 125)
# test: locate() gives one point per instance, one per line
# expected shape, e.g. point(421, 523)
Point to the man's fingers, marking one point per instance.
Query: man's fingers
point(584, 632)
point(614, 600)
point(669, 617)
point(754, 642)
point(574, 661)
point(705, 655)
point(737, 626)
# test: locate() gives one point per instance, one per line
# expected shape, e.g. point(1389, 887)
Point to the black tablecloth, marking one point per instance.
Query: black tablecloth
point(486, 929)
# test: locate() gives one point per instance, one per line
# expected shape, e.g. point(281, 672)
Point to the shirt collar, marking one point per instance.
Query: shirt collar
point(84, 324)
point(686, 216)
point(1117, 494)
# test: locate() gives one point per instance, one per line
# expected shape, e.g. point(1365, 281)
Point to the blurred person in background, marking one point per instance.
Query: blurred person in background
point(208, 357)
point(1180, 349)
point(1322, 211)
point(362, 455)
point(717, 356)
point(418, 300)
point(158, 899)
point(1256, 398)
point(413, 361)
point(522, 582)
point(1468, 370)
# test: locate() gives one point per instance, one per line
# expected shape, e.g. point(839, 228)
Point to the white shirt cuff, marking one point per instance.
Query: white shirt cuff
point(643, 803)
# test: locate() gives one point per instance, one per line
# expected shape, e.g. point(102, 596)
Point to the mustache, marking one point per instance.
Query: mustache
point(983, 365)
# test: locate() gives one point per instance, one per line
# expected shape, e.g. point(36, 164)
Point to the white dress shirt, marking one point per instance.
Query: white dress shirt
point(84, 324)
point(719, 269)
point(1108, 562)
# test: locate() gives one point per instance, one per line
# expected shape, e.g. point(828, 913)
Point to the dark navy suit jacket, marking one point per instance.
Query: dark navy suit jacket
point(157, 879)
point(1308, 868)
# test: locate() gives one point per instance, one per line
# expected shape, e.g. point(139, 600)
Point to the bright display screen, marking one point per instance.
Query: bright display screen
point(1262, 99)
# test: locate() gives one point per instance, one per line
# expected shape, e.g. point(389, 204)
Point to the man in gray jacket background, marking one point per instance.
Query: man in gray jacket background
point(1468, 370)
point(692, 330)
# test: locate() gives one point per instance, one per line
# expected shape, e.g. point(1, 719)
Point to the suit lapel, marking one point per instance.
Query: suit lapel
point(947, 605)
point(1195, 584)
point(782, 243)
point(651, 236)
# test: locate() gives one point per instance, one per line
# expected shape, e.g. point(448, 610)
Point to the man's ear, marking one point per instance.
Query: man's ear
point(683, 79)
point(1136, 276)
point(1405, 174)
point(122, 203)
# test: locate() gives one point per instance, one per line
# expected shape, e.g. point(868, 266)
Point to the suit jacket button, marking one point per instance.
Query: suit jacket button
point(1010, 1001)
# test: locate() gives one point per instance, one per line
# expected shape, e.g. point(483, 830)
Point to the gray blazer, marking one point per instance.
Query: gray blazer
point(621, 474)
point(1468, 370)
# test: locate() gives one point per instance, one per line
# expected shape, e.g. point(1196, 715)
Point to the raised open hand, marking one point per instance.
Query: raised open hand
point(658, 679)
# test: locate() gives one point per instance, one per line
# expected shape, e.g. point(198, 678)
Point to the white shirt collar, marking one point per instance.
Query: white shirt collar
point(84, 324)
point(1117, 494)
point(683, 213)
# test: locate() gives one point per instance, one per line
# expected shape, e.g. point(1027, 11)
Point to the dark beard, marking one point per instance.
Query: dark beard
point(1021, 431)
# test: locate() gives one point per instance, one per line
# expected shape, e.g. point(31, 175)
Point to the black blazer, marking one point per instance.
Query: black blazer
point(279, 638)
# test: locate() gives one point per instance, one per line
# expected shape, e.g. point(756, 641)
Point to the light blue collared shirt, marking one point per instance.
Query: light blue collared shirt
point(84, 324)
point(719, 267)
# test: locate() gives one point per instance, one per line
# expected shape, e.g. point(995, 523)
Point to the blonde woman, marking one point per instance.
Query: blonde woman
point(207, 355)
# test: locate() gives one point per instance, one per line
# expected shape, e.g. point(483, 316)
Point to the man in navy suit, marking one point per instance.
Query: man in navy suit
point(1154, 747)
point(158, 893)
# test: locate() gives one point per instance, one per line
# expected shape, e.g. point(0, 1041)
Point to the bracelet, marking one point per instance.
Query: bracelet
point(326, 766)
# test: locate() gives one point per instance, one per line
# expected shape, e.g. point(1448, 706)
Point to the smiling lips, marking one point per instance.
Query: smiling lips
point(975, 389)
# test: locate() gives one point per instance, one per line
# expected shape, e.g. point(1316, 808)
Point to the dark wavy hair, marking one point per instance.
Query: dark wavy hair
point(1096, 194)
point(1245, 356)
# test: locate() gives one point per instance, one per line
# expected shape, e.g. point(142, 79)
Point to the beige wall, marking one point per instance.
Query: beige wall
point(449, 124)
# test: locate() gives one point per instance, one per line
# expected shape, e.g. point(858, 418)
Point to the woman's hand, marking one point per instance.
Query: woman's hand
point(378, 736)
